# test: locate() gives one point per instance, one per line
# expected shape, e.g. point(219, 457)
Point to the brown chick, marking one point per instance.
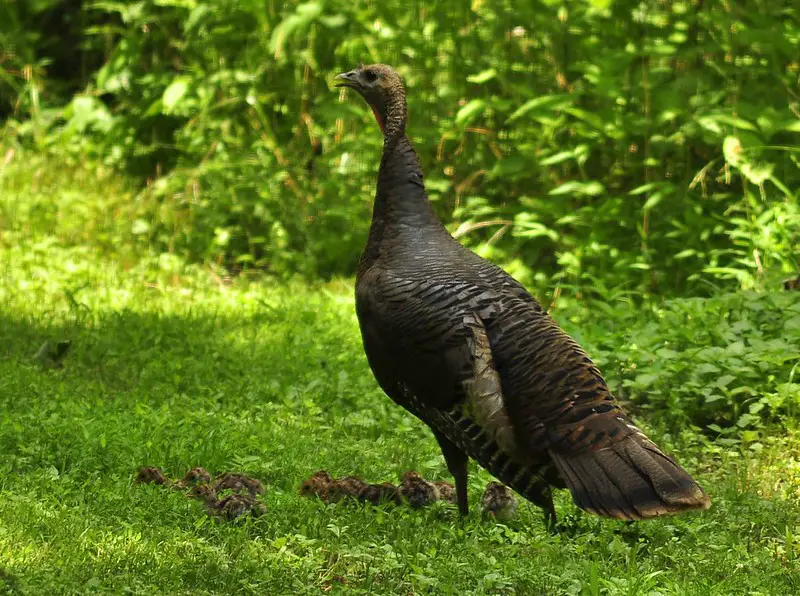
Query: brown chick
point(417, 491)
point(386, 492)
point(151, 475)
point(342, 488)
point(499, 502)
point(193, 477)
point(316, 485)
point(236, 505)
point(447, 492)
point(238, 482)
point(207, 495)
point(230, 507)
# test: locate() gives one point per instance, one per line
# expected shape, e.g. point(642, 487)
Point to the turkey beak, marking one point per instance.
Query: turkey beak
point(347, 79)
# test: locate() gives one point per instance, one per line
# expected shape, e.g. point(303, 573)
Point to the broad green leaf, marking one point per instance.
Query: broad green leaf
point(140, 226)
point(732, 150)
point(470, 111)
point(557, 158)
point(653, 200)
point(645, 188)
point(483, 76)
point(174, 93)
point(333, 21)
point(757, 173)
point(550, 102)
point(587, 117)
point(792, 126)
point(511, 165)
point(592, 188)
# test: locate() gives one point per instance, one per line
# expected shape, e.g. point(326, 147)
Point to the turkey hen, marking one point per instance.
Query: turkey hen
point(463, 346)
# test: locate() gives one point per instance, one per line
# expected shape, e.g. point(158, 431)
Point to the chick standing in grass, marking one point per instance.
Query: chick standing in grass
point(342, 488)
point(316, 485)
point(499, 502)
point(417, 491)
point(151, 475)
point(206, 494)
point(447, 492)
point(238, 482)
point(234, 506)
point(193, 477)
point(230, 507)
point(385, 492)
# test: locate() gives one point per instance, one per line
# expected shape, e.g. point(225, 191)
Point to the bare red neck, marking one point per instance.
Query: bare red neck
point(379, 119)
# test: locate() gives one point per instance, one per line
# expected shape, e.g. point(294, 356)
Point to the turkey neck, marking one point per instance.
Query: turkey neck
point(402, 213)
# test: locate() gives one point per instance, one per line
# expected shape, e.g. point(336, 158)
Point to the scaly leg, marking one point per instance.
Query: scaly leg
point(456, 461)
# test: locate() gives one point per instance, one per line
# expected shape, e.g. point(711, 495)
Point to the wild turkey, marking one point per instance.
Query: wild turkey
point(462, 345)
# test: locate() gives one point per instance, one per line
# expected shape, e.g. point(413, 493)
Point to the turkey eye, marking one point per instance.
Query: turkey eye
point(370, 76)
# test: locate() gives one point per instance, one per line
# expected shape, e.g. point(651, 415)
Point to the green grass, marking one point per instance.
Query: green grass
point(175, 366)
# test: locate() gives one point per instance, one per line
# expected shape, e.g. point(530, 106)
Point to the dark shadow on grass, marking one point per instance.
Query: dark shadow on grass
point(184, 354)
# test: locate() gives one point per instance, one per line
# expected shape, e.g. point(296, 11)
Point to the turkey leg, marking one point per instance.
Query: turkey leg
point(456, 461)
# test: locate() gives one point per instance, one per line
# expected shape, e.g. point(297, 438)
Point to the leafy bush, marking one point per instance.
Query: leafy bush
point(729, 363)
point(648, 145)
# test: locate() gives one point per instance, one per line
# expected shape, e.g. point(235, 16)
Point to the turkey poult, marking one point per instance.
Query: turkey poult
point(378, 494)
point(344, 488)
point(194, 477)
point(447, 492)
point(151, 475)
point(417, 491)
point(317, 485)
point(498, 502)
point(463, 346)
point(230, 507)
point(238, 482)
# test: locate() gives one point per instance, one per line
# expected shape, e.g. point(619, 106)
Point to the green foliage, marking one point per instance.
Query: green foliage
point(173, 365)
point(45, 57)
point(652, 145)
point(728, 364)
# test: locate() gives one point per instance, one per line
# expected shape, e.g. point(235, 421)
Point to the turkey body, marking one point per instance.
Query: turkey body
point(459, 343)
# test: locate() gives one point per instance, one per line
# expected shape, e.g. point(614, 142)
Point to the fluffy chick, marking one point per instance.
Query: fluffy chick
point(236, 505)
point(193, 477)
point(447, 492)
point(385, 492)
point(417, 491)
point(151, 475)
point(230, 507)
point(499, 502)
point(316, 485)
point(238, 482)
point(342, 488)
point(206, 494)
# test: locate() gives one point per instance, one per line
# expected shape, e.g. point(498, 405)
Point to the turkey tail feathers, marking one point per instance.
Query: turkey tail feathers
point(630, 480)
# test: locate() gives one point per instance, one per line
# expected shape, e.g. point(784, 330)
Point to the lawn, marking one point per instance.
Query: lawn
point(178, 366)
